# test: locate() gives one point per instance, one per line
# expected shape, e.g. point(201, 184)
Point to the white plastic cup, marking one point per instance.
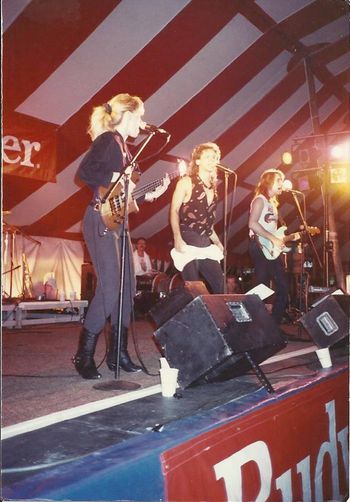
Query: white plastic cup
point(72, 296)
point(324, 357)
point(168, 380)
point(62, 296)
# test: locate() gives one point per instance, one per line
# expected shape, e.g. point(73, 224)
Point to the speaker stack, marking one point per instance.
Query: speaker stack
point(328, 321)
point(211, 338)
point(176, 300)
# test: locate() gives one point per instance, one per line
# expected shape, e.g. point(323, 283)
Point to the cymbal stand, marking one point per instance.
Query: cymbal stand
point(4, 261)
point(12, 231)
point(9, 242)
point(27, 284)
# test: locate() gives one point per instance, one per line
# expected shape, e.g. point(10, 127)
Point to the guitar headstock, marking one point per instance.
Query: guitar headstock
point(310, 230)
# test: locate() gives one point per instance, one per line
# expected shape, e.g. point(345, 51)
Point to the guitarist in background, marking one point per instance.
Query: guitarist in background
point(192, 217)
point(263, 222)
point(110, 125)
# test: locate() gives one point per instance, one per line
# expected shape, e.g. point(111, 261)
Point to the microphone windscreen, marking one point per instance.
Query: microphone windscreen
point(287, 185)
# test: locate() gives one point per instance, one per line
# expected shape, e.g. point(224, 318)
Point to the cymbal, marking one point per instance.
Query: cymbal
point(9, 228)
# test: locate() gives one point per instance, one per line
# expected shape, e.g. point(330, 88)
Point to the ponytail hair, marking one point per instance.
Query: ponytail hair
point(107, 116)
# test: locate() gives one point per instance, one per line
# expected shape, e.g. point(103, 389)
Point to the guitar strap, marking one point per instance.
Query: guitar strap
point(127, 157)
point(281, 221)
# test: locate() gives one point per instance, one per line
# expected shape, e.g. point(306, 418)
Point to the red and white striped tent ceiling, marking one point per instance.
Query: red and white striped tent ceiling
point(228, 71)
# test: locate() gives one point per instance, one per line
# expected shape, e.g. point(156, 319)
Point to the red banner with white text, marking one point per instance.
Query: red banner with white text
point(29, 148)
point(293, 449)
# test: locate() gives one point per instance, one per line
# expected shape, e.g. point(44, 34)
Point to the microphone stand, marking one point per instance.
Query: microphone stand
point(131, 163)
point(303, 219)
point(306, 226)
point(118, 384)
point(227, 173)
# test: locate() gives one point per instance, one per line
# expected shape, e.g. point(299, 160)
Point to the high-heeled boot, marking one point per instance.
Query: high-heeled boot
point(125, 362)
point(84, 359)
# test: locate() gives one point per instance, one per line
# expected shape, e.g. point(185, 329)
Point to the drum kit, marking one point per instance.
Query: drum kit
point(158, 282)
point(9, 244)
point(151, 287)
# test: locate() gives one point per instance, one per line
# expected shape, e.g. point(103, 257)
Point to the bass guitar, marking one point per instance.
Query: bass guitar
point(193, 253)
point(112, 210)
point(271, 252)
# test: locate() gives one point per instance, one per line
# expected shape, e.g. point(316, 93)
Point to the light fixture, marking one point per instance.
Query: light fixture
point(287, 158)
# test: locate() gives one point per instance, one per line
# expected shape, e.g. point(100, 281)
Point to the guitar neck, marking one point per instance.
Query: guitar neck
point(149, 187)
point(290, 237)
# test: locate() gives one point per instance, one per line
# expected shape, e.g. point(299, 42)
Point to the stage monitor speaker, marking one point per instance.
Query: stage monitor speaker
point(207, 340)
point(176, 300)
point(328, 321)
point(88, 282)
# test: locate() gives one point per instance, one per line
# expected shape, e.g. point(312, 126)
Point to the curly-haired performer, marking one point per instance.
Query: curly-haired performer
point(197, 248)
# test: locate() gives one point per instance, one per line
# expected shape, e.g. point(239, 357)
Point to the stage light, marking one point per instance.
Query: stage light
point(339, 172)
point(340, 151)
point(339, 163)
point(336, 152)
point(287, 158)
point(307, 153)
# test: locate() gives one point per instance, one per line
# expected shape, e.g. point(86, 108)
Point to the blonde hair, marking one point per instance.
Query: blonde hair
point(107, 116)
point(267, 179)
point(196, 154)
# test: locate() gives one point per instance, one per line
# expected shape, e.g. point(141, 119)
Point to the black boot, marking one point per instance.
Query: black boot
point(125, 362)
point(84, 359)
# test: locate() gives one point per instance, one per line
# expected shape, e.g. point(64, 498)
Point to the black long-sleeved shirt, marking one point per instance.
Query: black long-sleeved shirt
point(103, 158)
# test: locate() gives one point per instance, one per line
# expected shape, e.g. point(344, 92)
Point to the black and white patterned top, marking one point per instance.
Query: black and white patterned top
point(196, 214)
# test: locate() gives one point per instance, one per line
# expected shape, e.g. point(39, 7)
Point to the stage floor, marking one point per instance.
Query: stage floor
point(38, 377)
point(51, 416)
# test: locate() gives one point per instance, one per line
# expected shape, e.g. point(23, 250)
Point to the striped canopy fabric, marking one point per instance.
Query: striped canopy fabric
point(256, 77)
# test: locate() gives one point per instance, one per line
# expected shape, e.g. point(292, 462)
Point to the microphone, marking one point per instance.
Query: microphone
point(152, 128)
point(287, 186)
point(225, 169)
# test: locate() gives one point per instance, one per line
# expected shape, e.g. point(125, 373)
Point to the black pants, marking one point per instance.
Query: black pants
point(267, 270)
point(105, 250)
point(209, 270)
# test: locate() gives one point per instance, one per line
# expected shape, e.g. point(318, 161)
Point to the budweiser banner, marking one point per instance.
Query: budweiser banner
point(292, 449)
point(29, 148)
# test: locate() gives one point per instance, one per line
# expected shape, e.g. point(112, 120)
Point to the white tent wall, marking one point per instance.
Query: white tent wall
point(229, 72)
point(40, 258)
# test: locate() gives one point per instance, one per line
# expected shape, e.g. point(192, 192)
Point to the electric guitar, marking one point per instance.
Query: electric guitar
point(193, 253)
point(271, 252)
point(112, 210)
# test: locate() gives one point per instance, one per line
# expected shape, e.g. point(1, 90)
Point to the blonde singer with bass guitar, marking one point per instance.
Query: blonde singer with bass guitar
point(197, 248)
point(265, 242)
point(108, 161)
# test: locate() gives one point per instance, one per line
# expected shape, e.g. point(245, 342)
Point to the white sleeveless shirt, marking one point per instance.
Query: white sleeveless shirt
point(269, 215)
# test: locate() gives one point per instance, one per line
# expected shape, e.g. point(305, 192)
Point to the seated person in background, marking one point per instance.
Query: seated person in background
point(142, 261)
